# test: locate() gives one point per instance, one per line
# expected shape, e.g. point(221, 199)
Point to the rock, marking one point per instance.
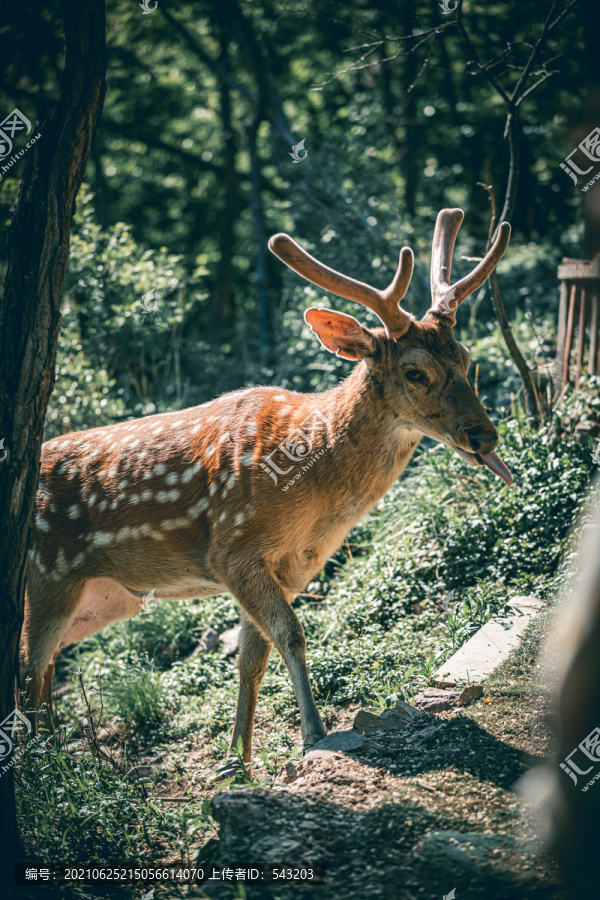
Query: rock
point(424, 735)
point(435, 700)
point(404, 710)
point(210, 639)
point(291, 773)
point(230, 640)
point(366, 722)
point(345, 741)
point(469, 693)
point(208, 642)
point(322, 754)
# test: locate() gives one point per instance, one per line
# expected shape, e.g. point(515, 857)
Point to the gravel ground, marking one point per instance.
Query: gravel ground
point(419, 808)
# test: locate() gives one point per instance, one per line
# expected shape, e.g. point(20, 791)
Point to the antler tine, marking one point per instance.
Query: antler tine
point(446, 298)
point(383, 303)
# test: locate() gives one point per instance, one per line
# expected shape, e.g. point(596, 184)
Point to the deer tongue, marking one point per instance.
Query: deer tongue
point(493, 462)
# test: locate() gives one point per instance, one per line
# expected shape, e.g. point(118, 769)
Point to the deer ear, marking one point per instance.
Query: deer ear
point(341, 334)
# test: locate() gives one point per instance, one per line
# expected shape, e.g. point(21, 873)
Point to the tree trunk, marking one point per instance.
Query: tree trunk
point(38, 250)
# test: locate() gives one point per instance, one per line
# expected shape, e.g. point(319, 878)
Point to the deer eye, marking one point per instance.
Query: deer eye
point(415, 375)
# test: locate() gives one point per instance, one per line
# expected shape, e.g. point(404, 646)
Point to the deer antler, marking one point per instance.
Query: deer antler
point(384, 304)
point(446, 298)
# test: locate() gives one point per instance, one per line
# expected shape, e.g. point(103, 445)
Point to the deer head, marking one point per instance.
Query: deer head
point(420, 368)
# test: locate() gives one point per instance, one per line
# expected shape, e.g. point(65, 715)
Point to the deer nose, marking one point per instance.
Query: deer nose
point(482, 438)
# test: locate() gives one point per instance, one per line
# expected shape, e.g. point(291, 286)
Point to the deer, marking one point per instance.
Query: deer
point(252, 492)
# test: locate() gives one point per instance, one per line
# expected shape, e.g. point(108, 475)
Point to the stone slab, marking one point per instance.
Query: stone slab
point(490, 646)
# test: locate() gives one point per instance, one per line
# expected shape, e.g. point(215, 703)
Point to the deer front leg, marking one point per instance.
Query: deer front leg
point(265, 603)
point(254, 654)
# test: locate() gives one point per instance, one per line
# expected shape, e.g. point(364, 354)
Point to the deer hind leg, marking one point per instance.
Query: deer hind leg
point(265, 603)
point(254, 655)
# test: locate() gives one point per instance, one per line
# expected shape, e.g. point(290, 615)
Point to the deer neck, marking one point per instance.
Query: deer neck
point(372, 444)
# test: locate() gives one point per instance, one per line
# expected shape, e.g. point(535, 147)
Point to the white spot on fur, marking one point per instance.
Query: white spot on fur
point(189, 473)
point(41, 524)
point(73, 512)
point(164, 496)
point(122, 484)
point(209, 450)
point(213, 488)
point(147, 495)
point(172, 478)
point(247, 458)
point(160, 469)
point(134, 499)
point(195, 510)
point(240, 518)
point(252, 427)
point(170, 524)
point(101, 538)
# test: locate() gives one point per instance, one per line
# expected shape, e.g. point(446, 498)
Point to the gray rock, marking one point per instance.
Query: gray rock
point(230, 640)
point(208, 643)
point(340, 740)
point(434, 700)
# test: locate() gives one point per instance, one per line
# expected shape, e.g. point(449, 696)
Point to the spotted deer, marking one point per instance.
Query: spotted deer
point(209, 499)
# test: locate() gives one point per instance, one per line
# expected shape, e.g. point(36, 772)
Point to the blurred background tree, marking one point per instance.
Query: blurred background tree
point(397, 107)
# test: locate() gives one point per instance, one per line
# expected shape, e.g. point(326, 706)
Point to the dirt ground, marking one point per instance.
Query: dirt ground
point(418, 809)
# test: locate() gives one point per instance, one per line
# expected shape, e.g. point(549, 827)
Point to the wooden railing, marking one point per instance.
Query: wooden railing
point(578, 318)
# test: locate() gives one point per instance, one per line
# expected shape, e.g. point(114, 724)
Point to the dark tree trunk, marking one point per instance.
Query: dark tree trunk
point(223, 312)
point(410, 160)
point(38, 250)
point(591, 209)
